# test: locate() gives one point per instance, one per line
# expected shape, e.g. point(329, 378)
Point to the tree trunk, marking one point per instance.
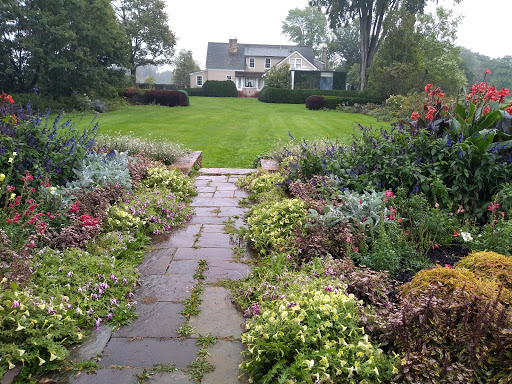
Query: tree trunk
point(364, 32)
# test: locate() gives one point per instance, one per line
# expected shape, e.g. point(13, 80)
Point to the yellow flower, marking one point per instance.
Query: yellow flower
point(20, 327)
point(13, 195)
point(10, 160)
point(21, 352)
point(2, 177)
point(53, 356)
point(11, 365)
point(41, 361)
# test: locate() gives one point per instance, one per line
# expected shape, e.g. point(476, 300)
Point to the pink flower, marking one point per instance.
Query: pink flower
point(388, 194)
point(436, 205)
point(348, 239)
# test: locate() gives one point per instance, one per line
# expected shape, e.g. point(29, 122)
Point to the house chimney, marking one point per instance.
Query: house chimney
point(233, 46)
point(324, 55)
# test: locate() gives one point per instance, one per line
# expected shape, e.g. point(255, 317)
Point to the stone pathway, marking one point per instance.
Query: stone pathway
point(167, 273)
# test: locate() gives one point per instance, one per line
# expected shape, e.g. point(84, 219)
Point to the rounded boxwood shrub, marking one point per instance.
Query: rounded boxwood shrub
point(315, 102)
point(214, 88)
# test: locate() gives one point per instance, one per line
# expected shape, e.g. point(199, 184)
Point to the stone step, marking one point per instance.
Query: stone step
point(225, 171)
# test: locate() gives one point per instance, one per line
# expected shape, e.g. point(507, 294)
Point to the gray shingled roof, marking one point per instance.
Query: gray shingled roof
point(218, 56)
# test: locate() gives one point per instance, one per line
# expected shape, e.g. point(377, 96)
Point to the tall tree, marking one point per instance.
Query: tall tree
point(52, 45)
point(145, 24)
point(183, 66)
point(306, 26)
point(373, 18)
point(343, 46)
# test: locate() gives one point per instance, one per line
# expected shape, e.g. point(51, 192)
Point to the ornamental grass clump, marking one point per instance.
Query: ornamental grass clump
point(312, 335)
point(156, 149)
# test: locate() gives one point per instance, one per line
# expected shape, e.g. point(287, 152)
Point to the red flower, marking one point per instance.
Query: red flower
point(428, 87)
point(415, 116)
point(455, 234)
point(9, 99)
point(487, 72)
point(487, 109)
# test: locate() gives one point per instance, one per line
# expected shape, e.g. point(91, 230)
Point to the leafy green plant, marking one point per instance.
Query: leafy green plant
point(180, 185)
point(99, 169)
point(313, 334)
point(271, 226)
point(186, 329)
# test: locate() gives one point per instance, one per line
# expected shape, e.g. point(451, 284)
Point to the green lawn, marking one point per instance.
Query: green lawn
point(230, 132)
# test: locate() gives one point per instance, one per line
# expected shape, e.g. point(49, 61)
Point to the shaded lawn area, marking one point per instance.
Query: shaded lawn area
point(231, 132)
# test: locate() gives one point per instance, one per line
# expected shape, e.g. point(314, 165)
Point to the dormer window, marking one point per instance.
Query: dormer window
point(252, 62)
point(295, 63)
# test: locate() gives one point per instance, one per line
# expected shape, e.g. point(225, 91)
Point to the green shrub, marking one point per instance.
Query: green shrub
point(195, 92)
point(214, 88)
point(332, 102)
point(167, 98)
point(299, 96)
point(447, 279)
point(271, 226)
point(312, 335)
point(489, 265)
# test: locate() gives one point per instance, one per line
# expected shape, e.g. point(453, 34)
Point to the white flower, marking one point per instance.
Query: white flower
point(310, 363)
point(466, 236)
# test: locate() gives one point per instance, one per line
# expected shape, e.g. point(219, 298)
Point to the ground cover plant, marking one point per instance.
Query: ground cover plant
point(414, 223)
point(243, 128)
point(70, 241)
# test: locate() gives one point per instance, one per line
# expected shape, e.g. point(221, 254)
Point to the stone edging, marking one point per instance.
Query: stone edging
point(186, 164)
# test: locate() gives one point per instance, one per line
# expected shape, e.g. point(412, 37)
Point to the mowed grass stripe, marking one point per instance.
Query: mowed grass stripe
point(231, 132)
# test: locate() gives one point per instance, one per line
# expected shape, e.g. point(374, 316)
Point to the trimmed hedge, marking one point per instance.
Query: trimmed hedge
point(195, 91)
point(214, 88)
point(299, 96)
point(167, 98)
point(332, 102)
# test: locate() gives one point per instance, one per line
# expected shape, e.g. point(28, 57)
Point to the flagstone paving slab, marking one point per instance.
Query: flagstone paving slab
point(208, 220)
point(107, 376)
point(214, 202)
point(156, 261)
point(166, 288)
point(214, 240)
point(208, 194)
point(92, 346)
point(213, 178)
point(146, 353)
point(209, 254)
point(225, 356)
point(177, 377)
point(183, 267)
point(227, 270)
point(213, 228)
point(180, 237)
point(159, 319)
point(224, 194)
point(217, 315)
point(231, 211)
point(224, 186)
point(205, 189)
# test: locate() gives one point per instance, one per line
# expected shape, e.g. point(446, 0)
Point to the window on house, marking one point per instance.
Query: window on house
point(252, 63)
point(199, 81)
point(295, 63)
point(250, 82)
point(228, 77)
point(267, 63)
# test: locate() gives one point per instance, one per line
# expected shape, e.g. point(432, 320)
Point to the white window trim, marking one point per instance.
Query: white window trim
point(269, 62)
point(199, 77)
point(253, 62)
point(295, 60)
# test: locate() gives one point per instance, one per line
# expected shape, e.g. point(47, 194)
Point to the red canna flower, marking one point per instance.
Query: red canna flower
point(487, 72)
point(415, 116)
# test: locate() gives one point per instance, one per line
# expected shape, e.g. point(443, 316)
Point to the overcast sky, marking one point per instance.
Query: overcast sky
point(485, 28)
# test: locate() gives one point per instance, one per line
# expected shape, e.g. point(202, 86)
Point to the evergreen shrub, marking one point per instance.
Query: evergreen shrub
point(167, 98)
point(214, 88)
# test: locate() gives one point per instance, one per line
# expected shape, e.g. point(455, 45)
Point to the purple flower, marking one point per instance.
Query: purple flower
point(16, 304)
point(113, 301)
point(130, 295)
point(70, 274)
point(109, 316)
point(98, 323)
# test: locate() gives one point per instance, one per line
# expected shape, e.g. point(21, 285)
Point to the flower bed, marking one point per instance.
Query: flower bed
point(75, 222)
point(342, 228)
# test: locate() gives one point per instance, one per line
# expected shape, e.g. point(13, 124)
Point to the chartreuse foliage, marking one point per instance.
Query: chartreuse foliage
point(313, 334)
